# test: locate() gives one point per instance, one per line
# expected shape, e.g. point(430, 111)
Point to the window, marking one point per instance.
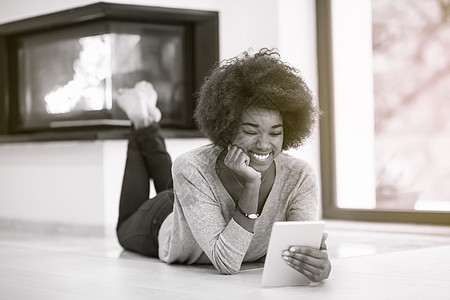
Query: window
point(384, 70)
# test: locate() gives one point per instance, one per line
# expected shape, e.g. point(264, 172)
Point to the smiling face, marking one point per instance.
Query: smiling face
point(260, 136)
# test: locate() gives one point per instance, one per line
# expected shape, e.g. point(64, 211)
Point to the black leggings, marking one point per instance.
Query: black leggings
point(140, 218)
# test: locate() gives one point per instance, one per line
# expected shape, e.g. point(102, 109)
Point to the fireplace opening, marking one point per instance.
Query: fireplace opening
point(60, 71)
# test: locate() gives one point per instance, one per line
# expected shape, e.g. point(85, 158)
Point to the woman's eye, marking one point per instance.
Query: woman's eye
point(250, 132)
point(276, 133)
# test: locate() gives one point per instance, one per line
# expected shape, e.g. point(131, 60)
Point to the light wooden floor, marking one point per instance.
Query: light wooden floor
point(370, 261)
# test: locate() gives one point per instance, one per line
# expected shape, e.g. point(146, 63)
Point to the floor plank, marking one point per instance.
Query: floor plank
point(366, 265)
point(30, 274)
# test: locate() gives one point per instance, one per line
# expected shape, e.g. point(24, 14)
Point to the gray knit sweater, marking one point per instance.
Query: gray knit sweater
point(201, 228)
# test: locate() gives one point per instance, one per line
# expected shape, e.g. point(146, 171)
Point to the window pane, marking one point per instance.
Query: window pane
point(391, 78)
point(411, 75)
point(353, 98)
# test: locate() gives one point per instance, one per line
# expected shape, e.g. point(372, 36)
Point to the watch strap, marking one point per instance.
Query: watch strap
point(251, 216)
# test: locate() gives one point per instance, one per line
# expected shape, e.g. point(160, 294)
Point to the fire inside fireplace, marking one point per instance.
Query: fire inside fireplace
point(70, 80)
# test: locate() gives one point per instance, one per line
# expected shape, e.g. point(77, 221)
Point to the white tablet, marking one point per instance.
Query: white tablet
point(285, 234)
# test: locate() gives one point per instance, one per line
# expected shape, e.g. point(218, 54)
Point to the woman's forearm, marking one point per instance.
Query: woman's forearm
point(248, 203)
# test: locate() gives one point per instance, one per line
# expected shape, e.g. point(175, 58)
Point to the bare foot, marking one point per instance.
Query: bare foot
point(146, 90)
point(139, 104)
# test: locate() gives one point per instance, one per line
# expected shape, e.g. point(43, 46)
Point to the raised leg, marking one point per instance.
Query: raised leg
point(139, 217)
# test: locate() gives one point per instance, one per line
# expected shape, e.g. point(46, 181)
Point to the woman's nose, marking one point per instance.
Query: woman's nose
point(263, 141)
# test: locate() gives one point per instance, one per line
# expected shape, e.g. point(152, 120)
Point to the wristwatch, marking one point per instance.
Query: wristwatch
point(251, 216)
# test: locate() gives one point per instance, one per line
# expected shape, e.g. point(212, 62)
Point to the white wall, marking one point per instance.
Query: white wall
point(79, 182)
point(71, 182)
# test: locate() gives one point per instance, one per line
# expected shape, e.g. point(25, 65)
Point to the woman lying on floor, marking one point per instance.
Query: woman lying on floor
point(225, 195)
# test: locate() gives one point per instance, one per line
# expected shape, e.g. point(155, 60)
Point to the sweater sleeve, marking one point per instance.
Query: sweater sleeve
point(223, 240)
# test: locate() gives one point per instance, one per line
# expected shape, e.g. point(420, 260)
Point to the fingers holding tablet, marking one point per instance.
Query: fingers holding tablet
point(311, 262)
point(302, 265)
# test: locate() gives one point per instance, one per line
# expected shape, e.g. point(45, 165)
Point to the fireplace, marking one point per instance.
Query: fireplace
point(59, 72)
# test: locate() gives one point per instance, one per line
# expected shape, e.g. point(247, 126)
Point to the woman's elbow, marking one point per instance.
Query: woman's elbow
point(227, 269)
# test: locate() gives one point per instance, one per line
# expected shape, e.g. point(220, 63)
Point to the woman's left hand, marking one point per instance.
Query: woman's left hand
point(313, 263)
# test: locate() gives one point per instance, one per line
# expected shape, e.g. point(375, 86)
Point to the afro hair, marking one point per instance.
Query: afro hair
point(261, 80)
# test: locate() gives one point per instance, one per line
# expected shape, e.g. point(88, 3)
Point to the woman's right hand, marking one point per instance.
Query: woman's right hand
point(239, 162)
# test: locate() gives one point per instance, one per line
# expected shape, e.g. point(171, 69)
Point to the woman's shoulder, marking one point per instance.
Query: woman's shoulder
point(296, 173)
point(197, 166)
point(291, 165)
point(291, 161)
point(203, 155)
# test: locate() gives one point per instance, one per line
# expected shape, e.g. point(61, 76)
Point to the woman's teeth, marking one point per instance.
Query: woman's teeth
point(260, 157)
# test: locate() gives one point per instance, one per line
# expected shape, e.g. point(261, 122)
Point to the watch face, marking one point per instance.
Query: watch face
point(253, 216)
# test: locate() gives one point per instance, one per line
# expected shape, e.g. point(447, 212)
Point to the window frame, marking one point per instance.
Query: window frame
point(330, 210)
